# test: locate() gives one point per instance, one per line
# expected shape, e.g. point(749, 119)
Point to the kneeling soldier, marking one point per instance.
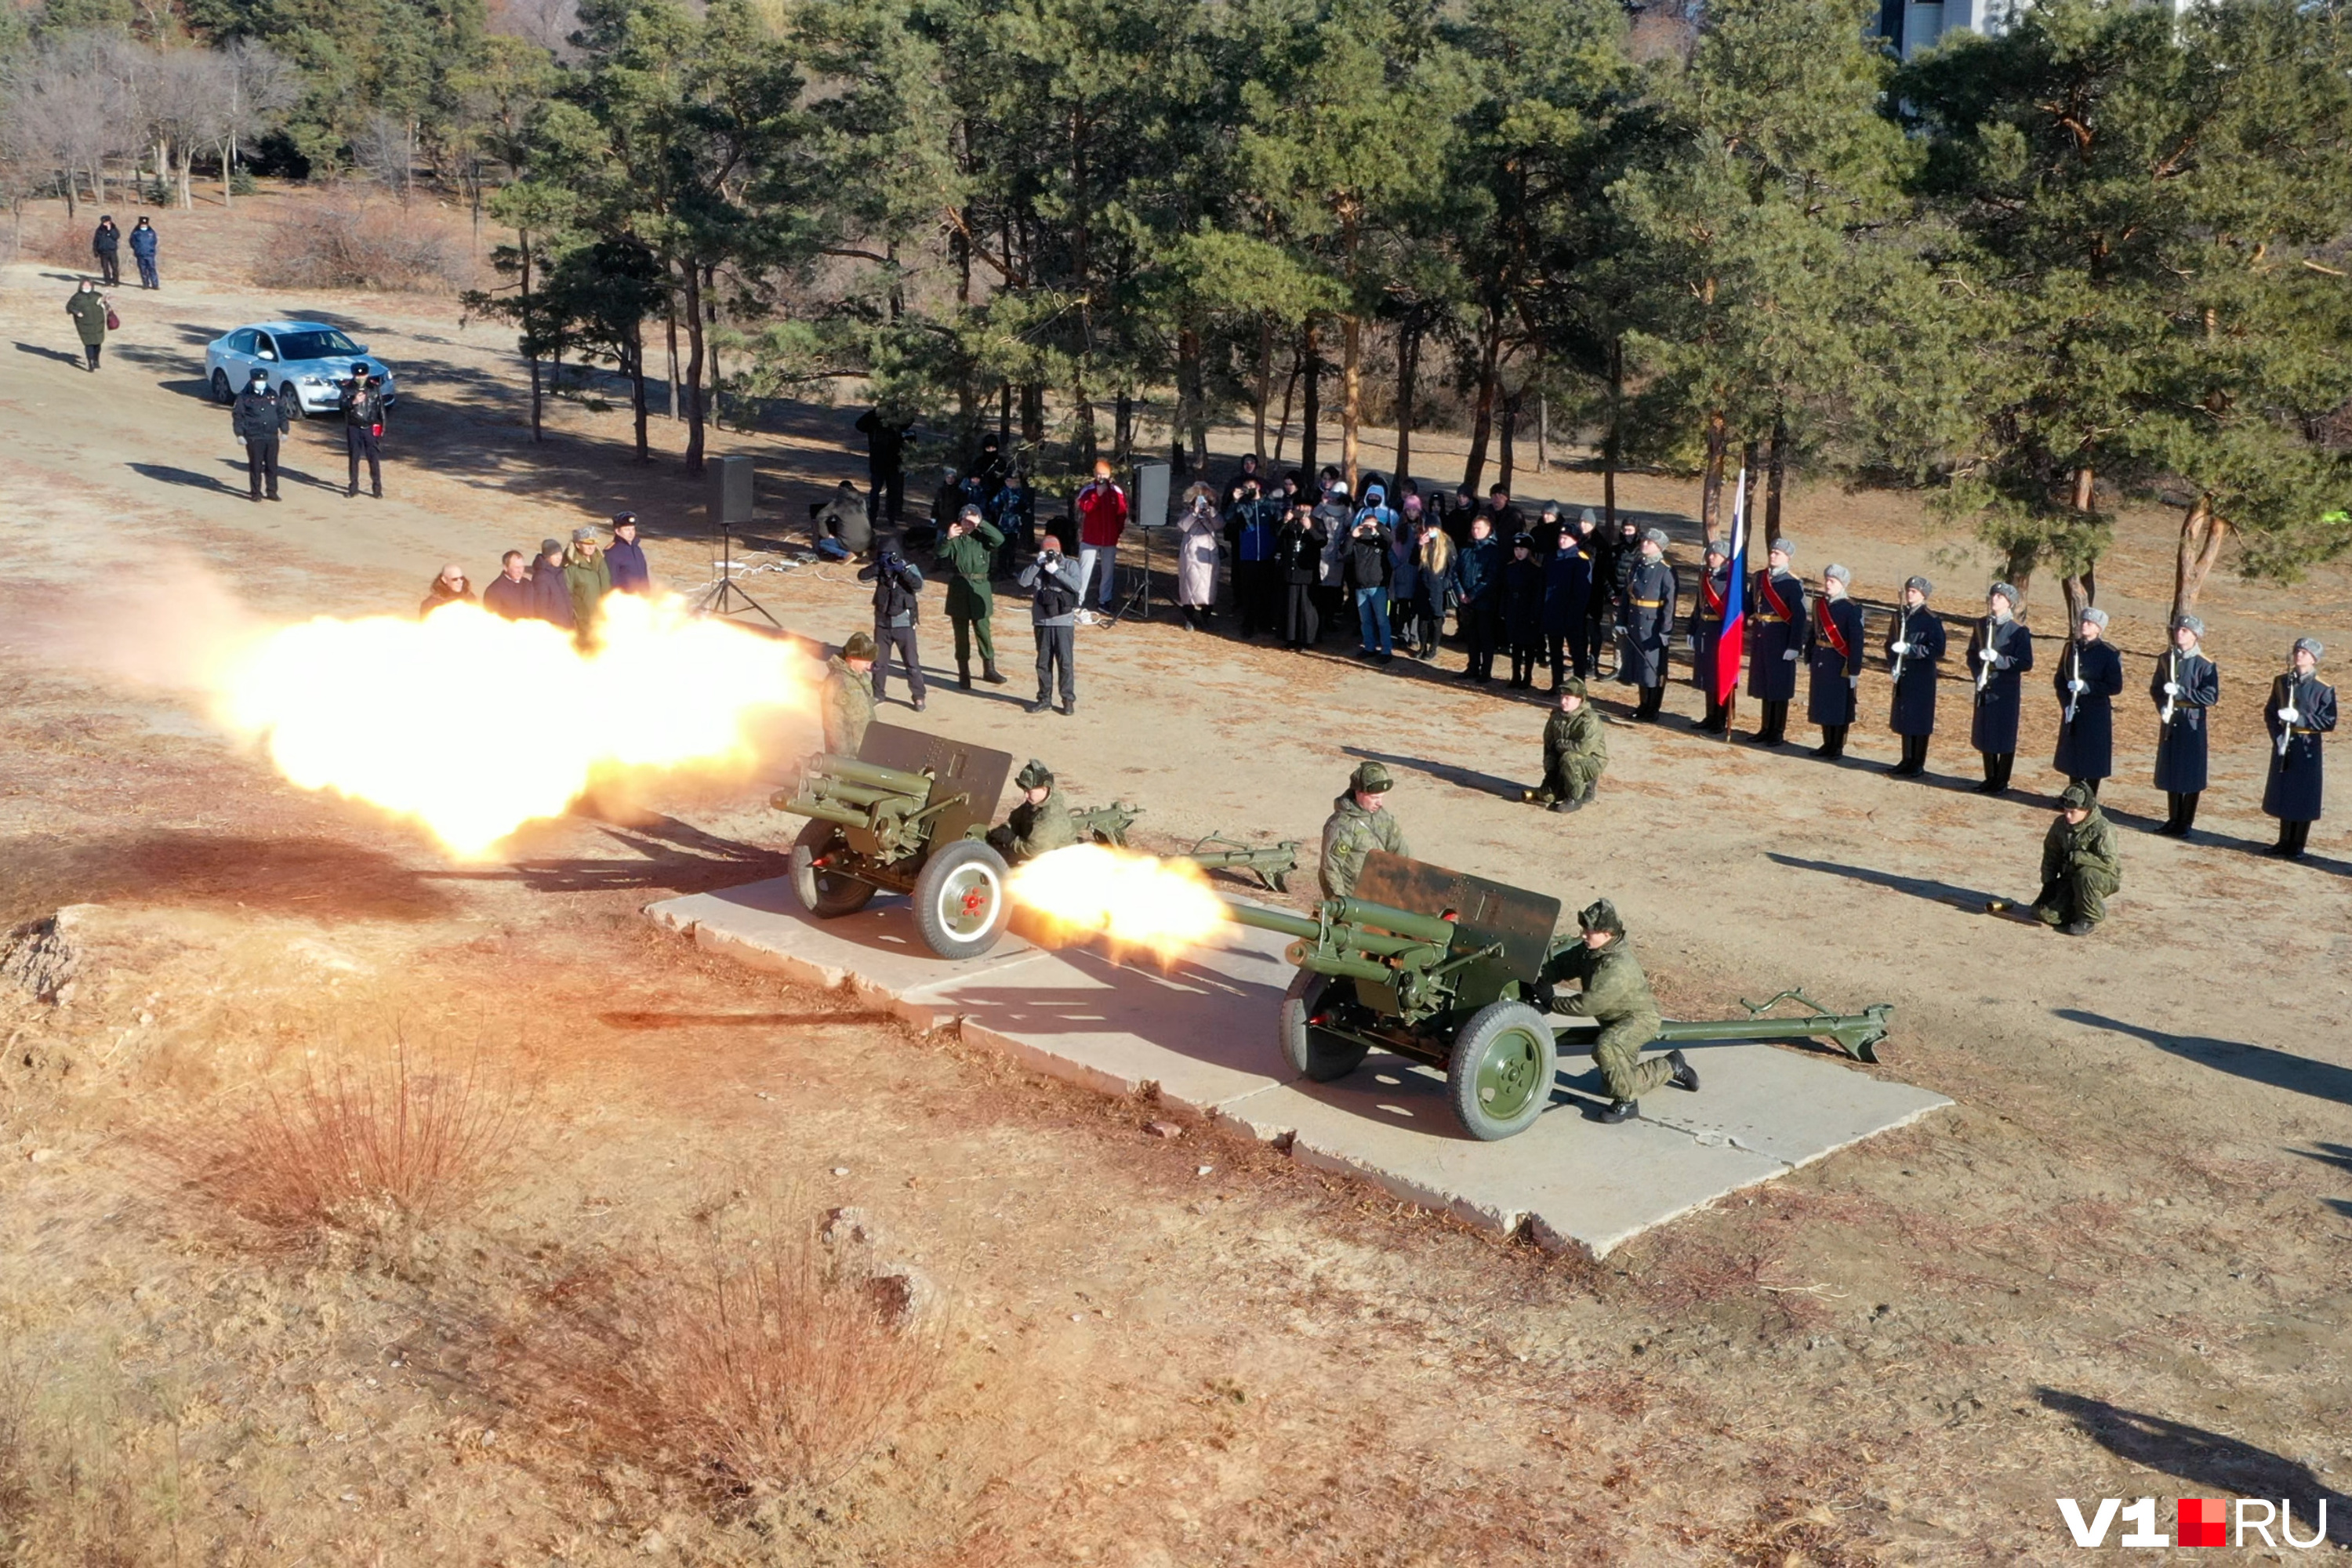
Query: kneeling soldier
point(1039, 823)
point(1617, 995)
point(2079, 866)
point(1576, 750)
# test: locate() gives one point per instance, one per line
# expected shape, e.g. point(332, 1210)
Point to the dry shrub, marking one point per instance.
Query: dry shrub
point(771, 1360)
point(68, 1488)
point(382, 1145)
point(342, 243)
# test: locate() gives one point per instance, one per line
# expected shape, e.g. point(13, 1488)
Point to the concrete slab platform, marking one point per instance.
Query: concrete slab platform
point(1200, 1032)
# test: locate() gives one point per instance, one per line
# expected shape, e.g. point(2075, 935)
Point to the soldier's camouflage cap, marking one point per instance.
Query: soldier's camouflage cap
point(2076, 798)
point(1572, 686)
point(859, 646)
point(1370, 778)
point(1035, 775)
point(1599, 915)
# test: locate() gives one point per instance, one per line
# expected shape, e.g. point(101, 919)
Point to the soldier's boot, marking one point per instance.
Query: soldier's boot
point(1652, 696)
point(1620, 1110)
point(963, 674)
point(1041, 704)
point(988, 672)
point(1574, 804)
point(2187, 813)
point(2081, 927)
point(1685, 1076)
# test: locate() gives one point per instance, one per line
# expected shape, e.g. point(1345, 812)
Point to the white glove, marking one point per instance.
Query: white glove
point(2078, 685)
point(2172, 688)
point(1790, 656)
point(1901, 647)
point(1854, 680)
point(2289, 715)
point(1986, 655)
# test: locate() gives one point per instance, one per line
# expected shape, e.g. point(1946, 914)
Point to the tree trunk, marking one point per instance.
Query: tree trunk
point(1772, 481)
point(693, 382)
point(2081, 587)
point(1510, 444)
point(1290, 391)
point(1088, 448)
point(710, 349)
point(669, 311)
point(228, 202)
point(1613, 439)
point(1482, 424)
point(1033, 419)
point(1543, 435)
point(1710, 490)
point(2018, 569)
point(1311, 417)
point(2202, 534)
point(530, 336)
point(1407, 368)
point(1352, 395)
point(1265, 380)
point(1004, 418)
point(1192, 443)
point(636, 369)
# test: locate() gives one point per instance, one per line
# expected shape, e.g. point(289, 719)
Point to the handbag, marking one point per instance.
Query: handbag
point(114, 321)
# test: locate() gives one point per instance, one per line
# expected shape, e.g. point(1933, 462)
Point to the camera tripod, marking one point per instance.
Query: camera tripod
point(721, 598)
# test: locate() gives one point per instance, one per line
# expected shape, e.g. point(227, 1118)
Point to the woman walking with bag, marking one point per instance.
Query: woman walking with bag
point(92, 319)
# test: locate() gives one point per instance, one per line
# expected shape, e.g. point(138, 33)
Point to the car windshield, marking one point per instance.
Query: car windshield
point(314, 346)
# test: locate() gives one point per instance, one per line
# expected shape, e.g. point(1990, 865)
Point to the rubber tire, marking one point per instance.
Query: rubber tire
point(291, 402)
point(1314, 1055)
point(1489, 1027)
point(950, 864)
point(221, 393)
point(824, 894)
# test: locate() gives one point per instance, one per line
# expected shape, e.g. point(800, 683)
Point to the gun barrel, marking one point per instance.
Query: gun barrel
point(1403, 922)
point(823, 810)
point(1280, 921)
point(872, 775)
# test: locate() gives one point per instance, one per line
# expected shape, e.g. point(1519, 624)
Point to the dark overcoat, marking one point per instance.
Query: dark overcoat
point(2292, 794)
point(1999, 682)
point(2086, 743)
point(1650, 594)
point(1834, 656)
point(2180, 739)
point(1913, 709)
point(1775, 630)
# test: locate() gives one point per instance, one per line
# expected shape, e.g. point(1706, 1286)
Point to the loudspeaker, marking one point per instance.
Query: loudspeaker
point(730, 490)
point(1150, 509)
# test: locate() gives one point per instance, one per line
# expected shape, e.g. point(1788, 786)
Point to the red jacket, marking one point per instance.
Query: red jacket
point(1102, 514)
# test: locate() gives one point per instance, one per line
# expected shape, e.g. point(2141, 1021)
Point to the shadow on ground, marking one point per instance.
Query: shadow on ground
point(2207, 1460)
point(2259, 1064)
point(317, 877)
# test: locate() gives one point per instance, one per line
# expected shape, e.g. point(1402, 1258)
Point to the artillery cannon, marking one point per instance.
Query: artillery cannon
point(1447, 969)
point(902, 816)
point(1272, 862)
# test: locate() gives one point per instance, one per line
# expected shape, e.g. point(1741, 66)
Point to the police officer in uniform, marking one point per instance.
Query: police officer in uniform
point(1039, 822)
point(2301, 710)
point(2087, 681)
point(1650, 594)
point(2080, 868)
point(1707, 609)
point(2000, 650)
point(1915, 646)
point(259, 420)
point(1834, 655)
point(1357, 825)
point(1576, 750)
point(1778, 612)
point(1616, 994)
point(2186, 683)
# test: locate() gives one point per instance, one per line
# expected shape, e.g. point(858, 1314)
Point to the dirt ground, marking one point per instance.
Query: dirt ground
point(2118, 1268)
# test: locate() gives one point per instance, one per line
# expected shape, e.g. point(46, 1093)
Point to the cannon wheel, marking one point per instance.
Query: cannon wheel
point(1315, 1053)
point(960, 903)
point(827, 895)
point(1500, 1076)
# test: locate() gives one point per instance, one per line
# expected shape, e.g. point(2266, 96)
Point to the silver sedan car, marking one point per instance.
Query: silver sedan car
point(307, 363)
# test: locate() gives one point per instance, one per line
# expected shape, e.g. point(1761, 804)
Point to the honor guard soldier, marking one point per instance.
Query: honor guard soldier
point(2301, 710)
point(1039, 822)
point(2087, 681)
point(2186, 683)
point(1915, 646)
point(1706, 636)
point(2000, 650)
point(1650, 594)
point(846, 704)
point(2080, 869)
point(1576, 750)
point(1833, 654)
point(1616, 994)
point(1779, 613)
point(1357, 825)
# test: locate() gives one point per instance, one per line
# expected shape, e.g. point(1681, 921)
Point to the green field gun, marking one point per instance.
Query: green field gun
point(1446, 969)
point(1106, 824)
point(897, 818)
point(1274, 863)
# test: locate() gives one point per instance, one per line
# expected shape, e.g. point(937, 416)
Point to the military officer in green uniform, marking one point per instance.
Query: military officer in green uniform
point(965, 554)
point(1615, 994)
point(846, 705)
point(1576, 750)
point(1357, 826)
point(2079, 866)
point(1039, 822)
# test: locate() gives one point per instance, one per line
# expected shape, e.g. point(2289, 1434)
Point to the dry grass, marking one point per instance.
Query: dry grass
point(767, 1362)
point(380, 1146)
point(338, 243)
point(67, 1490)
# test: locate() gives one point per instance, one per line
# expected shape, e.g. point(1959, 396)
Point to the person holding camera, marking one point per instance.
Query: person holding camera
point(966, 554)
point(363, 430)
point(1054, 582)
point(898, 588)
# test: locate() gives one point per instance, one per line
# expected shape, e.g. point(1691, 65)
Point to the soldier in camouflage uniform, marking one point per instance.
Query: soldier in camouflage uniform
point(1039, 823)
point(1356, 827)
point(846, 706)
point(1576, 750)
point(1616, 994)
point(2079, 865)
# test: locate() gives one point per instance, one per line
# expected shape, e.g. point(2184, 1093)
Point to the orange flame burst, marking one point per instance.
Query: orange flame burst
point(1135, 901)
point(474, 726)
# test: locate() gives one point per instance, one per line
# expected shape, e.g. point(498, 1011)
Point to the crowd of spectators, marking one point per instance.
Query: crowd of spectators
point(564, 585)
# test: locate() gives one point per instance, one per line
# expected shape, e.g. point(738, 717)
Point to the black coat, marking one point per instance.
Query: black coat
point(897, 591)
point(1913, 709)
point(1705, 627)
point(1567, 592)
point(1298, 551)
point(2087, 747)
point(1649, 592)
point(1829, 696)
point(258, 416)
point(1773, 635)
point(551, 595)
point(106, 241)
point(1480, 567)
point(2181, 739)
point(511, 600)
point(1523, 602)
point(1603, 548)
point(1994, 728)
point(2292, 794)
point(1365, 557)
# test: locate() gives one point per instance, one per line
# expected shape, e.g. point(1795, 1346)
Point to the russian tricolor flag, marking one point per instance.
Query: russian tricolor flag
point(1732, 643)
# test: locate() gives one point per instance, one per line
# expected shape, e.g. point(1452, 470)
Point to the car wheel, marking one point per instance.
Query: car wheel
point(221, 393)
point(290, 401)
